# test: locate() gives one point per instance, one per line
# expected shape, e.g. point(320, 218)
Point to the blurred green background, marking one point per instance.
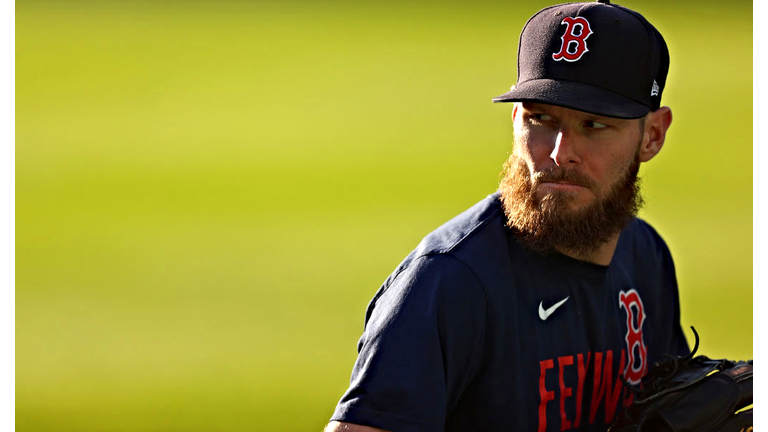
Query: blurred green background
point(209, 193)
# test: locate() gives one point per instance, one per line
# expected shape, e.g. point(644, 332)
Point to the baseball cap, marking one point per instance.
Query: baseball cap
point(597, 57)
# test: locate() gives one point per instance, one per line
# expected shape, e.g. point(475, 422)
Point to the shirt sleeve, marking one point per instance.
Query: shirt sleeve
point(677, 344)
point(422, 344)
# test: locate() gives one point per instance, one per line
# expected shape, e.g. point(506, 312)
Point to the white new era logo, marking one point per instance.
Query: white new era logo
point(655, 89)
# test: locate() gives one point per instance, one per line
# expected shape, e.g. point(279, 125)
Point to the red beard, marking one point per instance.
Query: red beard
point(550, 225)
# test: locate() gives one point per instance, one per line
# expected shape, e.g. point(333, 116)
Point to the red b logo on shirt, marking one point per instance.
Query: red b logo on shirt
point(636, 361)
point(574, 45)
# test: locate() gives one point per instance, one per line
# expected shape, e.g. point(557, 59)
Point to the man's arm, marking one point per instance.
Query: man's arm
point(421, 347)
point(335, 426)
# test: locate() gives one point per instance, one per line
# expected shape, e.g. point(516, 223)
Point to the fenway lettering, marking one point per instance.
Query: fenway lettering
point(606, 387)
point(606, 391)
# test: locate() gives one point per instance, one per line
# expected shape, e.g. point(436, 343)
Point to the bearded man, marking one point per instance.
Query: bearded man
point(529, 310)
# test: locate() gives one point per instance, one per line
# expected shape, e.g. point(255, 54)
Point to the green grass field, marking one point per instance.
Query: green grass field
point(208, 194)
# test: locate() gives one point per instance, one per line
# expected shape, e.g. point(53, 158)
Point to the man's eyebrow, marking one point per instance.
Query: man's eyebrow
point(528, 105)
point(602, 119)
point(533, 106)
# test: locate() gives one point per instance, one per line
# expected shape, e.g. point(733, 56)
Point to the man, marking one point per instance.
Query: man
point(528, 310)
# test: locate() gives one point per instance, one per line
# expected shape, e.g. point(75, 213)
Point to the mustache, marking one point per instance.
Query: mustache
point(562, 175)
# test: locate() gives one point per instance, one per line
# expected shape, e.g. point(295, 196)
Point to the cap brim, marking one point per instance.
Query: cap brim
point(575, 95)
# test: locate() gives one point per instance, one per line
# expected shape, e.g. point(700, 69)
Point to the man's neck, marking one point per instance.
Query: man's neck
point(602, 255)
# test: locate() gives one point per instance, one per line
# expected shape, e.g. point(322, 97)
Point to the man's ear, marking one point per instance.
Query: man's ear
point(656, 125)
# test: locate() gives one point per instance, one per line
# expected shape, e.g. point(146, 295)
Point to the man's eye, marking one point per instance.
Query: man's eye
point(541, 118)
point(595, 125)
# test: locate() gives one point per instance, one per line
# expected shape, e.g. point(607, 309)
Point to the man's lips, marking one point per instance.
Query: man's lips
point(560, 186)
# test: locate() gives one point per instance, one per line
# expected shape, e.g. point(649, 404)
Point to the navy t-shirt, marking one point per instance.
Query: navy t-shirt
point(472, 332)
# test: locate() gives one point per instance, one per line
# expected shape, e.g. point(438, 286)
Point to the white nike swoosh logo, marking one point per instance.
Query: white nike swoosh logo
point(544, 314)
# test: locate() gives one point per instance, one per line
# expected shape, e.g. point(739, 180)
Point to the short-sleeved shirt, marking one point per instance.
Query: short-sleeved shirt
point(473, 332)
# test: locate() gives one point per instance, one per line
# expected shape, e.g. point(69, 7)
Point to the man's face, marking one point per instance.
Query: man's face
point(571, 182)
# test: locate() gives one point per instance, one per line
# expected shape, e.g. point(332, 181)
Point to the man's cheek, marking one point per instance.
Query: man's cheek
point(527, 156)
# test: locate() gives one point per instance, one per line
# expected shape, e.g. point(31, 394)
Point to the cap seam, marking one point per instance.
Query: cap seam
point(649, 33)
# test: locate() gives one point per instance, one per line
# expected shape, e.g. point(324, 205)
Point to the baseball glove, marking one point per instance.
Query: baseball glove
point(691, 394)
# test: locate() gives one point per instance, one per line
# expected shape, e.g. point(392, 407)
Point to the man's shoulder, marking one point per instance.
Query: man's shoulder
point(640, 242)
point(640, 233)
point(482, 220)
point(462, 238)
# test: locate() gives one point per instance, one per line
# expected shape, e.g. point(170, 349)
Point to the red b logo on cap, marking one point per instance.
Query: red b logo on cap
point(574, 45)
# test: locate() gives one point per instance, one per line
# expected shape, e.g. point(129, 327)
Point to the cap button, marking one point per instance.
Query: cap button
point(604, 1)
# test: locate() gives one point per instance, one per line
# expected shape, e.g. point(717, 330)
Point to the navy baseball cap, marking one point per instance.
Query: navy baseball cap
point(597, 57)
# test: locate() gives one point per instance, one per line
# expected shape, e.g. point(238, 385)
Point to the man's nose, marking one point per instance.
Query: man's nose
point(564, 154)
